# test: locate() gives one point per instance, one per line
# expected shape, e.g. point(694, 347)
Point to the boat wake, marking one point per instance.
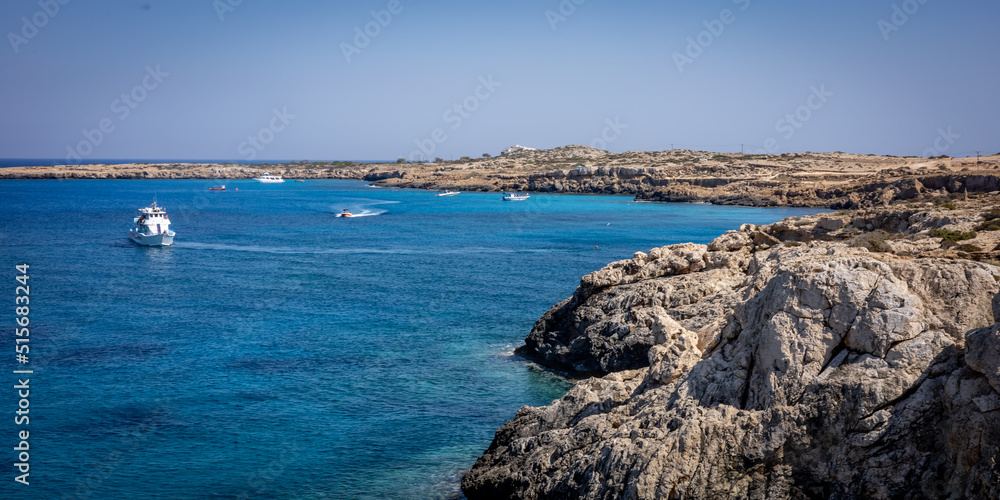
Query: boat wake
point(192, 245)
point(359, 208)
point(366, 213)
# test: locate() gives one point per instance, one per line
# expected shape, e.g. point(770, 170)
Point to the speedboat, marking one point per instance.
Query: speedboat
point(152, 227)
point(448, 193)
point(345, 213)
point(515, 196)
point(218, 188)
point(267, 177)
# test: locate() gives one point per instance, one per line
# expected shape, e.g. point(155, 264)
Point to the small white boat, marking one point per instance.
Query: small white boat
point(267, 177)
point(448, 193)
point(152, 228)
point(515, 196)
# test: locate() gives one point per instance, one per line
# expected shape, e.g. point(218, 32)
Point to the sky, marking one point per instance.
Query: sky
point(387, 79)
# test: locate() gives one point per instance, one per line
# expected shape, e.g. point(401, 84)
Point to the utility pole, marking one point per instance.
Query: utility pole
point(741, 150)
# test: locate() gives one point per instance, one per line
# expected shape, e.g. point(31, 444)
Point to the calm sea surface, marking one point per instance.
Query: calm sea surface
point(277, 351)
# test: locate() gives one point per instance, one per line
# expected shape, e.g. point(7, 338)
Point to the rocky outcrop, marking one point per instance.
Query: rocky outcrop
point(771, 370)
point(611, 321)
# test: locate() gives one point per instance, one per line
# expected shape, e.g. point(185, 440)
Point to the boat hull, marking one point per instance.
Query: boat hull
point(152, 240)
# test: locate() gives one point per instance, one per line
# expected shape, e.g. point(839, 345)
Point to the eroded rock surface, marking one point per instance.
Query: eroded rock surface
point(814, 370)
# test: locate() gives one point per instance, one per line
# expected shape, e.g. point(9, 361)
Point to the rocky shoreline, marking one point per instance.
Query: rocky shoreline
point(831, 180)
point(848, 355)
point(845, 355)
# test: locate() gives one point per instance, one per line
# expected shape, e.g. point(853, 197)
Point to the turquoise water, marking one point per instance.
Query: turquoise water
point(277, 351)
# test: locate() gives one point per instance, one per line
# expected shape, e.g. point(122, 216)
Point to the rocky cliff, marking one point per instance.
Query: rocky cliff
point(851, 356)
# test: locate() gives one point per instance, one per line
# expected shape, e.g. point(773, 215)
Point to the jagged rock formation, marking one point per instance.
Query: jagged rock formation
point(772, 369)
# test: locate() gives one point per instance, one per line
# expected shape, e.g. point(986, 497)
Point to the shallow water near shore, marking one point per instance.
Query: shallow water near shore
point(279, 351)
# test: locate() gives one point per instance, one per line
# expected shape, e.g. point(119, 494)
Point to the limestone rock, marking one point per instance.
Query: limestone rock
point(983, 353)
point(811, 371)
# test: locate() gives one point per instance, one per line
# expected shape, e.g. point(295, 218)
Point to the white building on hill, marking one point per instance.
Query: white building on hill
point(515, 148)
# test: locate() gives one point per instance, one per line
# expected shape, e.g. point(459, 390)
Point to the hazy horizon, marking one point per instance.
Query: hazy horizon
point(236, 80)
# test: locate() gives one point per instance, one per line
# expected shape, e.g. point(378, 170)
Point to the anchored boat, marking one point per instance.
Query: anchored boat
point(152, 227)
point(448, 193)
point(267, 177)
point(515, 197)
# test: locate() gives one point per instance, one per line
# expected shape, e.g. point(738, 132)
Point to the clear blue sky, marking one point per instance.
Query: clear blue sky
point(895, 87)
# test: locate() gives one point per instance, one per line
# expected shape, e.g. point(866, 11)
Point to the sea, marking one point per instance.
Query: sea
point(279, 351)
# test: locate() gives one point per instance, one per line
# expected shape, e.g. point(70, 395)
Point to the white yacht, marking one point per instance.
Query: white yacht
point(448, 193)
point(515, 196)
point(152, 227)
point(267, 177)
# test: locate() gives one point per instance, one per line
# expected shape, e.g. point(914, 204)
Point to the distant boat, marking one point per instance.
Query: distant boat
point(299, 180)
point(218, 188)
point(152, 228)
point(267, 177)
point(448, 193)
point(345, 213)
point(515, 197)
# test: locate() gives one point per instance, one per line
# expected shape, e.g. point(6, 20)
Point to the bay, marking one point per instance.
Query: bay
point(279, 351)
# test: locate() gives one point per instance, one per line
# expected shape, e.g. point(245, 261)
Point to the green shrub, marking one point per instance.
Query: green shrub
point(990, 225)
point(803, 223)
point(968, 247)
point(949, 235)
point(873, 241)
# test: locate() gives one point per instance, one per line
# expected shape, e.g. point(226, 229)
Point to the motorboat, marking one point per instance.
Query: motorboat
point(268, 178)
point(345, 213)
point(152, 227)
point(448, 193)
point(218, 188)
point(515, 196)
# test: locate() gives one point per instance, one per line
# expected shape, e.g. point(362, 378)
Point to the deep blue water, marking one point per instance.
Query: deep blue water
point(277, 351)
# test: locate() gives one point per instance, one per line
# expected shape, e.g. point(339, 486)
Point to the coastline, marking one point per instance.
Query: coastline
point(813, 180)
point(789, 360)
